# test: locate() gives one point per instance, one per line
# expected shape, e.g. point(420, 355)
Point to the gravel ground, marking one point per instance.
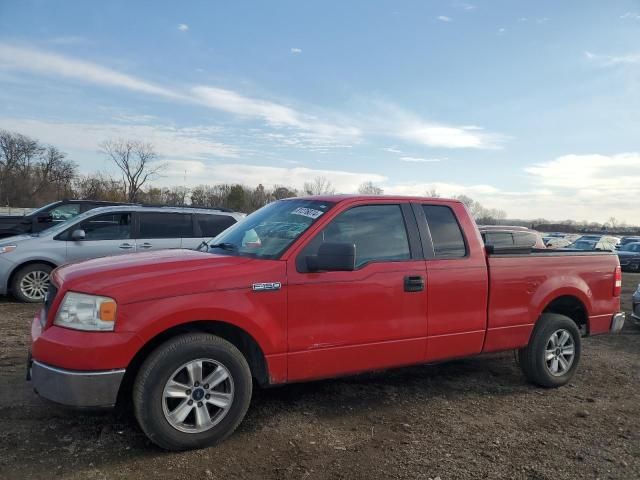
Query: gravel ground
point(468, 419)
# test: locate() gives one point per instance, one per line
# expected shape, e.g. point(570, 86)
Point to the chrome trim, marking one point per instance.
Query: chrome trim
point(78, 372)
point(617, 322)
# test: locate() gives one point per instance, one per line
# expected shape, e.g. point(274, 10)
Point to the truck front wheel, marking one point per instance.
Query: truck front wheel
point(192, 392)
point(552, 356)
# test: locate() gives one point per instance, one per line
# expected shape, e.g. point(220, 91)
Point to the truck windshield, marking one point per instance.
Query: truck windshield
point(268, 232)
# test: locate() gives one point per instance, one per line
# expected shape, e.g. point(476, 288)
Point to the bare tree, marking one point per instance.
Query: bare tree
point(135, 159)
point(368, 188)
point(433, 193)
point(319, 186)
point(481, 214)
point(31, 173)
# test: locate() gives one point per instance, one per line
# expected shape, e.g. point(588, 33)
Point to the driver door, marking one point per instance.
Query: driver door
point(372, 317)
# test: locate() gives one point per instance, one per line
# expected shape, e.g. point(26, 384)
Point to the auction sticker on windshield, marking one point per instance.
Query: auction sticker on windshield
point(307, 212)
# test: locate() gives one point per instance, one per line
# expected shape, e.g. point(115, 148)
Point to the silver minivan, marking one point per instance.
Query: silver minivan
point(27, 260)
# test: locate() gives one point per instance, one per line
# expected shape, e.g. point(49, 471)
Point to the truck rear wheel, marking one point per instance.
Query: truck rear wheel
point(551, 358)
point(192, 392)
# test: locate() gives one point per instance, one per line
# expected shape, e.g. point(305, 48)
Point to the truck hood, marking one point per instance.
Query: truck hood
point(166, 273)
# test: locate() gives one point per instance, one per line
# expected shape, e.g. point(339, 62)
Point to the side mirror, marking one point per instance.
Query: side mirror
point(333, 257)
point(77, 235)
point(44, 218)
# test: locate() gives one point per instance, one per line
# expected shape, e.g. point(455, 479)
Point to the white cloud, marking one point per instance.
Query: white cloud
point(183, 27)
point(444, 136)
point(444, 18)
point(273, 113)
point(421, 160)
point(35, 61)
point(295, 50)
point(392, 150)
point(201, 173)
point(196, 142)
point(630, 16)
point(501, 31)
point(306, 128)
point(591, 186)
point(389, 120)
point(611, 60)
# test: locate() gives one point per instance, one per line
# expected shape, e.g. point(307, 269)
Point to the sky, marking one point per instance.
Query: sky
point(531, 107)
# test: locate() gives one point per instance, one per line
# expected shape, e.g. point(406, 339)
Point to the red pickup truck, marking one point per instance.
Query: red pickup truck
point(309, 288)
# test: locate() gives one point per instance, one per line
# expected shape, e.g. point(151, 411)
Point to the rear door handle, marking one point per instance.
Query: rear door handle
point(413, 283)
point(126, 246)
point(146, 245)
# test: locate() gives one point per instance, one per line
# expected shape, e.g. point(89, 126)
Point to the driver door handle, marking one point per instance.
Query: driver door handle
point(413, 283)
point(126, 246)
point(146, 245)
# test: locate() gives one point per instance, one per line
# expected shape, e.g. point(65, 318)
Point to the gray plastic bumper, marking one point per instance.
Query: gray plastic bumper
point(76, 388)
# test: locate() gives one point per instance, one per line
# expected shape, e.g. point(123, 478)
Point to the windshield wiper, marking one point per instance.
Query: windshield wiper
point(224, 246)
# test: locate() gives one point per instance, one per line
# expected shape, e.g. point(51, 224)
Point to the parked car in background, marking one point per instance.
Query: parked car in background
point(629, 256)
point(600, 238)
point(27, 260)
point(591, 245)
point(556, 241)
point(507, 236)
point(47, 216)
point(626, 240)
point(635, 302)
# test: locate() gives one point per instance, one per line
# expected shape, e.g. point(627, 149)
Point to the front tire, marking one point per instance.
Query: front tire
point(31, 282)
point(552, 356)
point(192, 392)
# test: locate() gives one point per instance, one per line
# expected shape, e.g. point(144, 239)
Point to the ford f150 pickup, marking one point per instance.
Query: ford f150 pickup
point(309, 288)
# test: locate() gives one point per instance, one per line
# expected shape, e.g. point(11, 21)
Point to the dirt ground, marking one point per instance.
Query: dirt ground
point(467, 419)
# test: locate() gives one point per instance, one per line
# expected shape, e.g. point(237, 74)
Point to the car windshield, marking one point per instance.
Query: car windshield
point(630, 247)
point(268, 232)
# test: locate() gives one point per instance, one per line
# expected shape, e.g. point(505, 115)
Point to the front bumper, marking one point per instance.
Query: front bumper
point(76, 388)
point(617, 322)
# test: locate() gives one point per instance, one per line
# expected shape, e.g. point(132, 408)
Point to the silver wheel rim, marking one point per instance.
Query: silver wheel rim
point(34, 285)
point(198, 395)
point(560, 352)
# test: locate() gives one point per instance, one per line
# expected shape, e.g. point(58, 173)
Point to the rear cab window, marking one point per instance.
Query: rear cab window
point(446, 234)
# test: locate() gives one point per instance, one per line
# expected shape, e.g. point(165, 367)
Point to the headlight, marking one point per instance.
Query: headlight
point(7, 248)
point(86, 312)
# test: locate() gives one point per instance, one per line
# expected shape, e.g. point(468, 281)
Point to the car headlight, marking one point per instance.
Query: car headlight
point(86, 312)
point(7, 248)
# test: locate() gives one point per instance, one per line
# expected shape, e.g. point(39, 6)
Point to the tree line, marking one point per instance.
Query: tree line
point(33, 174)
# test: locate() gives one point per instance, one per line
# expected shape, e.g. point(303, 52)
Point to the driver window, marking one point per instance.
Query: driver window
point(111, 226)
point(378, 232)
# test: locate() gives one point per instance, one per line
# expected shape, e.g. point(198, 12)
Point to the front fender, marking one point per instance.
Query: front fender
point(260, 314)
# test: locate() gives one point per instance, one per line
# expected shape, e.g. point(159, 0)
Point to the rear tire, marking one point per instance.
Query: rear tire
point(192, 392)
point(552, 356)
point(30, 283)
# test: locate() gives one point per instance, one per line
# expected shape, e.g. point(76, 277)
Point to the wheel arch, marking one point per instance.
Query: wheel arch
point(239, 337)
point(570, 306)
point(20, 266)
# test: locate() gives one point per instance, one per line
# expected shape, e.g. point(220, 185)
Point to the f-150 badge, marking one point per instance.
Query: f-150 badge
point(260, 287)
